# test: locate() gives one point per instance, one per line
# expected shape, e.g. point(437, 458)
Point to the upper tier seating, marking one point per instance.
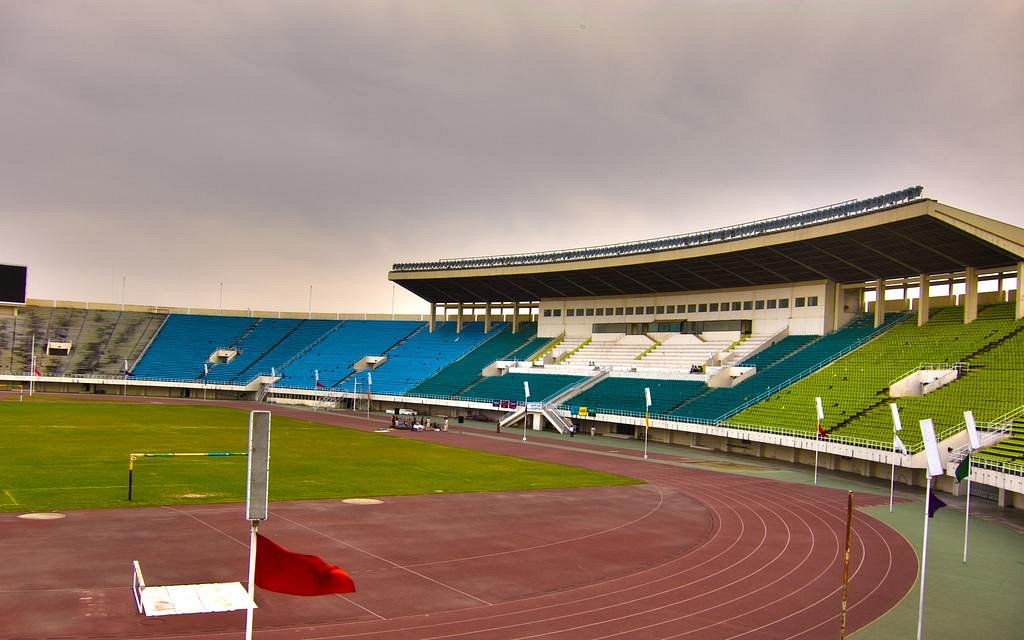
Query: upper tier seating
point(718, 404)
point(600, 352)
point(186, 342)
point(266, 333)
point(854, 390)
point(348, 342)
point(682, 351)
point(466, 370)
point(424, 354)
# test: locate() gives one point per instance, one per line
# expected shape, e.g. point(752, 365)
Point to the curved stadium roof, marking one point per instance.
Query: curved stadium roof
point(895, 235)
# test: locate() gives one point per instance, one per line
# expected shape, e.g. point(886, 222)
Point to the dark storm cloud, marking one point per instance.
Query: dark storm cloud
point(199, 142)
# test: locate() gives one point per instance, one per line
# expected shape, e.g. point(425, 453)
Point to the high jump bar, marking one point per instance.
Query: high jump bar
point(132, 457)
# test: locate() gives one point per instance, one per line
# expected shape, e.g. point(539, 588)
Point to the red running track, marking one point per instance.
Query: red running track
point(690, 554)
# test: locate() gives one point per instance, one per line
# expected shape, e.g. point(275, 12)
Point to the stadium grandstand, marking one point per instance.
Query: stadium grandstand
point(721, 339)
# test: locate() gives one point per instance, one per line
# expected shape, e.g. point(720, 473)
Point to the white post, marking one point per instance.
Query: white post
point(252, 579)
point(369, 392)
point(392, 301)
point(924, 556)
point(124, 282)
point(973, 444)
point(309, 312)
point(896, 426)
point(526, 410)
point(817, 436)
point(967, 510)
point(220, 300)
point(647, 417)
point(32, 368)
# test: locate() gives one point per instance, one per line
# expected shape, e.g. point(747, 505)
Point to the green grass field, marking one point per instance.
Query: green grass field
point(60, 454)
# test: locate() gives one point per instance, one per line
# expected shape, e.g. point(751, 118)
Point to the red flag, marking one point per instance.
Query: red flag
point(320, 385)
point(38, 372)
point(297, 574)
point(821, 432)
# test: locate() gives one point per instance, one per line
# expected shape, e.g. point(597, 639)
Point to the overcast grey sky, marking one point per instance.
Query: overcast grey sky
point(271, 146)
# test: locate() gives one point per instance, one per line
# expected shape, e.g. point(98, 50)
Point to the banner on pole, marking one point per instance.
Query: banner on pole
point(259, 465)
point(931, 447)
point(972, 430)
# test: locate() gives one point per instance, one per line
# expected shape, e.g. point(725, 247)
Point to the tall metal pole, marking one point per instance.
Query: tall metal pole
point(924, 557)
point(32, 368)
point(309, 312)
point(817, 436)
point(967, 510)
point(124, 282)
point(220, 300)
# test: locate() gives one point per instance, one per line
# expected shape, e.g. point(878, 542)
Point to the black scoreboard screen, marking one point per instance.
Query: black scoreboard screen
point(12, 283)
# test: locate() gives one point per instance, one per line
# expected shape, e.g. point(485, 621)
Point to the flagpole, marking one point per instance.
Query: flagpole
point(967, 510)
point(252, 578)
point(924, 555)
point(846, 563)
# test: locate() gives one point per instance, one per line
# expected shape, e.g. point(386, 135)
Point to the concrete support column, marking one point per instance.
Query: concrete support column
point(880, 302)
point(515, 318)
point(487, 318)
point(971, 297)
point(458, 319)
point(433, 317)
point(922, 301)
point(1002, 501)
point(1020, 288)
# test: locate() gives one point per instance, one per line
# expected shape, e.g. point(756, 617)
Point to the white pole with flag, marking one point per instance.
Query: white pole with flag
point(931, 448)
point(647, 417)
point(526, 408)
point(32, 368)
point(817, 436)
point(973, 444)
point(369, 392)
point(257, 492)
point(897, 426)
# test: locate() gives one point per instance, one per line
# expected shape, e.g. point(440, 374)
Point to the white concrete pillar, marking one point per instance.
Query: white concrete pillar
point(487, 318)
point(880, 302)
point(922, 302)
point(433, 317)
point(458, 319)
point(971, 296)
point(1020, 288)
point(515, 318)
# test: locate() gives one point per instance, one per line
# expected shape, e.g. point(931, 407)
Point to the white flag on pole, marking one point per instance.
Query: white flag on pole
point(896, 424)
point(897, 444)
point(972, 431)
point(931, 447)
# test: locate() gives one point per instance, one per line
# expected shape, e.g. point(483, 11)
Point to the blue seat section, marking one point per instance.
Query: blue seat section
point(184, 344)
point(778, 351)
point(334, 355)
point(510, 387)
point(251, 347)
point(627, 395)
point(466, 370)
point(718, 404)
point(306, 334)
point(426, 353)
point(533, 346)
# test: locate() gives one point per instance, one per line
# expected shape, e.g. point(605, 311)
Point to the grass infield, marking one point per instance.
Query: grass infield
point(60, 454)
